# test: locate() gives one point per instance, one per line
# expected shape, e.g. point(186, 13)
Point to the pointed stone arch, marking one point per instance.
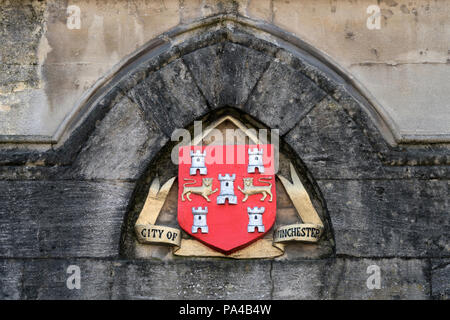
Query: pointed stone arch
point(228, 60)
point(218, 67)
point(220, 63)
point(224, 66)
point(211, 34)
point(163, 169)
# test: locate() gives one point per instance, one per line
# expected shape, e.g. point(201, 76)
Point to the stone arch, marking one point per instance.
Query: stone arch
point(199, 76)
point(264, 38)
point(162, 167)
point(223, 63)
point(272, 49)
point(171, 84)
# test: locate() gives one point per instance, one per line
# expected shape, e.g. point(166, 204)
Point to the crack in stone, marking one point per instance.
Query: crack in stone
point(272, 284)
point(194, 80)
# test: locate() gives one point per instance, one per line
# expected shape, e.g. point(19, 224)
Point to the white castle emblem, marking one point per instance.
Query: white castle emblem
point(255, 219)
point(198, 163)
point(200, 219)
point(255, 160)
point(227, 189)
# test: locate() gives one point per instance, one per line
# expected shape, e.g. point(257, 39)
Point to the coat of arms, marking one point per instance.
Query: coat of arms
point(226, 202)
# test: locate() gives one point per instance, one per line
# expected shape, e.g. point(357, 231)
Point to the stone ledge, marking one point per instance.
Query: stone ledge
point(62, 218)
point(215, 279)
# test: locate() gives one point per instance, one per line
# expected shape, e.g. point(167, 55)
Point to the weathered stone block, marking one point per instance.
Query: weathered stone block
point(170, 97)
point(15, 78)
point(232, 72)
point(191, 10)
point(404, 218)
point(122, 145)
point(332, 145)
point(283, 97)
point(259, 9)
point(347, 279)
point(17, 116)
point(61, 218)
point(416, 98)
point(214, 279)
point(47, 279)
point(21, 27)
point(10, 279)
point(440, 279)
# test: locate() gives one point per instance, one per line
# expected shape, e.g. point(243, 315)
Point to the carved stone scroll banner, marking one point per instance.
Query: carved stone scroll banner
point(158, 234)
point(263, 248)
point(298, 232)
point(312, 227)
point(145, 228)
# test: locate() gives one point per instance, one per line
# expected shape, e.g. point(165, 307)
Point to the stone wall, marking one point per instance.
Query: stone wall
point(73, 203)
point(54, 55)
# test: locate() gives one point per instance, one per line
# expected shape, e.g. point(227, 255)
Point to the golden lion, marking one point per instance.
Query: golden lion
point(250, 189)
point(204, 190)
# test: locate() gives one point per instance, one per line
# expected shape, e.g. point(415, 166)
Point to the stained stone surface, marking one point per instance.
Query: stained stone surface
point(332, 145)
point(192, 280)
point(40, 49)
point(371, 219)
point(47, 279)
point(233, 71)
point(216, 279)
point(62, 218)
point(170, 97)
point(347, 279)
point(440, 283)
point(20, 33)
point(122, 144)
point(282, 97)
point(11, 272)
point(73, 205)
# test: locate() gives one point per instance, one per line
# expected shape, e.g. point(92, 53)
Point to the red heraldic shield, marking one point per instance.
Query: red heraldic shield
point(226, 196)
